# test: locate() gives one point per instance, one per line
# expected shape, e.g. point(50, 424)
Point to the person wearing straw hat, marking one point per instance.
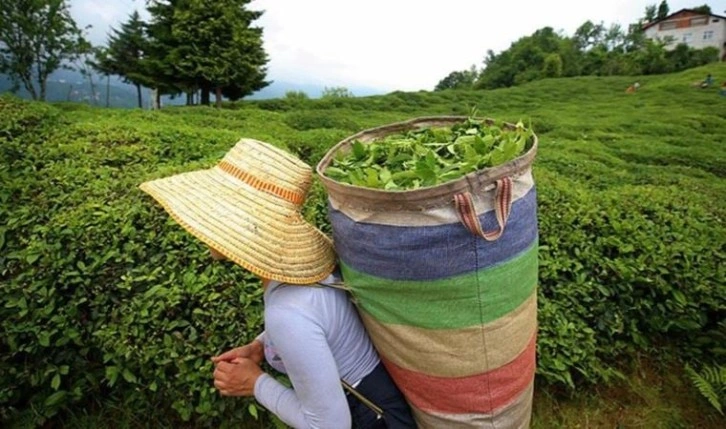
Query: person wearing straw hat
point(247, 210)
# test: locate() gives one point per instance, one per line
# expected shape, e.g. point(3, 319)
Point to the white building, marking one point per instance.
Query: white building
point(695, 29)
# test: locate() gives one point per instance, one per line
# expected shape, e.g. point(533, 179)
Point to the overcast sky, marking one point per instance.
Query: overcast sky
point(392, 44)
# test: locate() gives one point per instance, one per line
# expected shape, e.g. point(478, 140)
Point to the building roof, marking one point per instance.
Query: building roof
point(652, 23)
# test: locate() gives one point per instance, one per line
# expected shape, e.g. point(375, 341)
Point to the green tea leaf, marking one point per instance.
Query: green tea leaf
point(128, 376)
point(428, 156)
point(252, 409)
point(55, 383)
point(55, 398)
point(359, 150)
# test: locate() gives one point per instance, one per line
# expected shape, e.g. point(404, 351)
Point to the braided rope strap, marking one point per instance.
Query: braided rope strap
point(503, 206)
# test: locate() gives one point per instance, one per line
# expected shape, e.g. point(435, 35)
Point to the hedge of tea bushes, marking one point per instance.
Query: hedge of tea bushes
point(104, 298)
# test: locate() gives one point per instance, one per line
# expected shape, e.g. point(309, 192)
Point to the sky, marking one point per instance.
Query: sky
point(392, 44)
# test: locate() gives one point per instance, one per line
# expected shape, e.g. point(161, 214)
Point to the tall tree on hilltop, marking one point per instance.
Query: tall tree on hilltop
point(37, 37)
point(651, 12)
point(164, 76)
point(663, 10)
point(705, 9)
point(218, 47)
point(459, 79)
point(124, 56)
point(589, 35)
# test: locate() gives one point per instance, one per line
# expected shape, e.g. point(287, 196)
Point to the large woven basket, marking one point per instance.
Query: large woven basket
point(445, 280)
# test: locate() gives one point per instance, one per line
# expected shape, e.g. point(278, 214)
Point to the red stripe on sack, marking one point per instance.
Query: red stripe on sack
point(482, 393)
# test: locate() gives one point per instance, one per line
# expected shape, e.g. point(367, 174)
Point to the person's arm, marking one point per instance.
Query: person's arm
point(317, 400)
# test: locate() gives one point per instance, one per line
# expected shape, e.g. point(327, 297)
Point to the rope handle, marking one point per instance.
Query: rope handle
point(464, 204)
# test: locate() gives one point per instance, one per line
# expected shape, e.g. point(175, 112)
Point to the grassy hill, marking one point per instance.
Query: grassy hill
point(632, 201)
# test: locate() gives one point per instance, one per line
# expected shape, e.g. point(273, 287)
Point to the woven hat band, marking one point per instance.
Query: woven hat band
point(286, 194)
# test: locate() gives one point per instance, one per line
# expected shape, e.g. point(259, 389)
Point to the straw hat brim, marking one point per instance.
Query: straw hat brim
point(259, 231)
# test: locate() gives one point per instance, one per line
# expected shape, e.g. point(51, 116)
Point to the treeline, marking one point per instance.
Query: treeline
point(594, 49)
point(186, 47)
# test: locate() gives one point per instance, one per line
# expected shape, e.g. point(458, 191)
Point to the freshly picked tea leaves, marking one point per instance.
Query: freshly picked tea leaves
point(429, 156)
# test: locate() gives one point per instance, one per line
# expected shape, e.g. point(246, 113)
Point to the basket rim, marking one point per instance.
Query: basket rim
point(425, 197)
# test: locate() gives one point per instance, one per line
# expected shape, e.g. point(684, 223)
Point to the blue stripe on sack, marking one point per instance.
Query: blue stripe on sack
point(432, 252)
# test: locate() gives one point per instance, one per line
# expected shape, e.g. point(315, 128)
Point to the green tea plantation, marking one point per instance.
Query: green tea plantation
point(109, 311)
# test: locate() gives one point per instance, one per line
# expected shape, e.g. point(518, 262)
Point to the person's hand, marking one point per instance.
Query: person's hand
point(254, 351)
point(237, 378)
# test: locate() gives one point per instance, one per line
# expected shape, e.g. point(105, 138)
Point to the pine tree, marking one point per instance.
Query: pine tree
point(218, 48)
point(663, 10)
point(163, 74)
point(125, 53)
point(650, 13)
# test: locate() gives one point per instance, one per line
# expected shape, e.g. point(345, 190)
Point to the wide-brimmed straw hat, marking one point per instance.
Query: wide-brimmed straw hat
point(247, 208)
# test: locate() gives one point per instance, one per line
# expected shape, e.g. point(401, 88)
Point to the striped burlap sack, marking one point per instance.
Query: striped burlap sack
point(445, 280)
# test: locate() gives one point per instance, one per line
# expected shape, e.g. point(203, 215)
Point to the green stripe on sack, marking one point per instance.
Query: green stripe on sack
point(456, 302)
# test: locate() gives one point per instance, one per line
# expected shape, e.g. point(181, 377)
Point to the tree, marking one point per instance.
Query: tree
point(589, 35)
point(158, 65)
point(704, 9)
point(124, 55)
point(217, 46)
point(552, 66)
point(663, 10)
point(523, 61)
point(650, 13)
point(458, 79)
point(652, 58)
point(336, 92)
point(37, 37)
point(296, 96)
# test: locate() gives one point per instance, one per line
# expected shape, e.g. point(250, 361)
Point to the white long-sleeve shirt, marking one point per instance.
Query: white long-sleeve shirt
point(314, 335)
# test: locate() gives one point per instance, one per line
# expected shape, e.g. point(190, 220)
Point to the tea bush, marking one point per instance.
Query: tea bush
point(101, 293)
point(104, 298)
point(635, 266)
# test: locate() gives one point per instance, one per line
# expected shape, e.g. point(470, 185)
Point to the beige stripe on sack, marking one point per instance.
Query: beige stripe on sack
point(456, 352)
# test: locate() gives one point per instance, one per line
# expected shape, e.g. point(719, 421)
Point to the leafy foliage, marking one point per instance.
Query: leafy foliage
point(711, 382)
point(336, 92)
point(429, 156)
point(663, 10)
point(705, 8)
point(190, 45)
point(459, 79)
point(102, 295)
point(37, 37)
point(593, 49)
point(216, 43)
point(98, 287)
point(125, 52)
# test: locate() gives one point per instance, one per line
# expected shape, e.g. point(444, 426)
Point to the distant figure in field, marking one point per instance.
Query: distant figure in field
point(707, 82)
point(723, 89)
point(633, 88)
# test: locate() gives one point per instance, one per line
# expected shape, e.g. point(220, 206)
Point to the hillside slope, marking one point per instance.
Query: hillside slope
point(104, 296)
